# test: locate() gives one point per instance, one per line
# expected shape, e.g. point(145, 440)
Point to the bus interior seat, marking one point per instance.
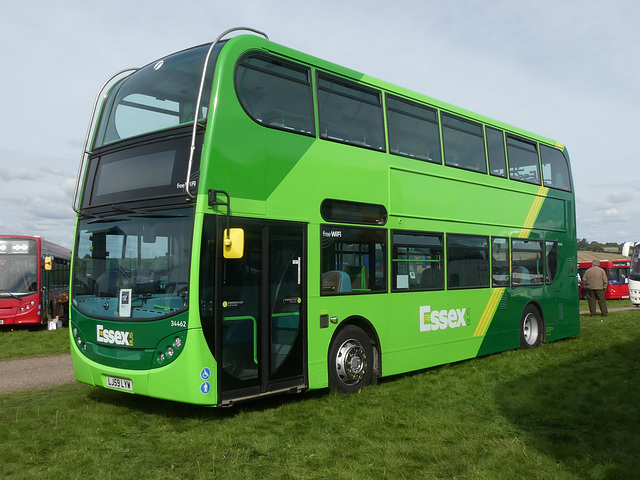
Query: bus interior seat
point(521, 275)
point(432, 278)
point(274, 118)
point(272, 108)
point(336, 281)
point(357, 135)
point(358, 276)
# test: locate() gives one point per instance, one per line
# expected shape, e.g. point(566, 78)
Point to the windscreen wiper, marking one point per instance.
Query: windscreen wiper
point(84, 213)
point(108, 220)
point(2, 290)
point(142, 212)
point(120, 208)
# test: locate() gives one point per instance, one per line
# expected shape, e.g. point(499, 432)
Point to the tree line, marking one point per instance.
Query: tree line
point(609, 247)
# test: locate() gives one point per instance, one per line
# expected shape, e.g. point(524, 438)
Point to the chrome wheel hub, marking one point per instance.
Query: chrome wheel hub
point(530, 329)
point(351, 362)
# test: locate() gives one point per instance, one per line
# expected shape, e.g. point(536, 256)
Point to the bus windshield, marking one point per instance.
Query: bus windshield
point(634, 274)
point(18, 267)
point(133, 266)
point(161, 95)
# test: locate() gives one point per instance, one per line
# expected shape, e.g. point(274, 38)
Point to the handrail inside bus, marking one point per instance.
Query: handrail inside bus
point(86, 138)
point(202, 80)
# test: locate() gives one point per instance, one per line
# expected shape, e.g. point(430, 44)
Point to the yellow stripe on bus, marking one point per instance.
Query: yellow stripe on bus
point(533, 212)
point(489, 310)
point(559, 145)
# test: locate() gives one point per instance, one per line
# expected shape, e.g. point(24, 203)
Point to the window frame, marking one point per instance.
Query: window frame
point(511, 161)
point(332, 233)
point(389, 99)
point(464, 165)
point(501, 161)
point(359, 213)
point(551, 182)
point(352, 86)
point(507, 262)
point(541, 260)
point(280, 62)
point(395, 262)
point(450, 247)
point(547, 269)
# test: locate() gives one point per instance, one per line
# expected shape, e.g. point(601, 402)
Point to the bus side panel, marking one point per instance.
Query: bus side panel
point(504, 330)
point(256, 159)
point(318, 344)
point(423, 330)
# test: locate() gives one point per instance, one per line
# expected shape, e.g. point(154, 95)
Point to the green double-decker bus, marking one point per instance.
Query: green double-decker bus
point(253, 220)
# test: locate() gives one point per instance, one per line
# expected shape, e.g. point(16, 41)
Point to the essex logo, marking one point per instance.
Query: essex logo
point(114, 337)
point(441, 319)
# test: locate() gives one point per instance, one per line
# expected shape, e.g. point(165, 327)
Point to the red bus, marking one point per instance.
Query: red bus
point(33, 273)
point(617, 273)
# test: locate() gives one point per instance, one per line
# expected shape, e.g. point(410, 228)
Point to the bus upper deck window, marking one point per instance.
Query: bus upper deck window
point(276, 93)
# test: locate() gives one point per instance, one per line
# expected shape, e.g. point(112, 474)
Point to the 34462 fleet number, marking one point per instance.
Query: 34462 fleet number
point(182, 323)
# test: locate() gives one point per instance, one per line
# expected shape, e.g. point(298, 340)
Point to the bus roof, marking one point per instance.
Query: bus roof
point(252, 42)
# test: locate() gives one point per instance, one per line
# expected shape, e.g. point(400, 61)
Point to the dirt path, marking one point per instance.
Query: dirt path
point(35, 373)
point(613, 309)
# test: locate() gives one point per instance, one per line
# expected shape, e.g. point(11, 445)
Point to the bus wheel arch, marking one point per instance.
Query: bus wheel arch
point(354, 356)
point(532, 326)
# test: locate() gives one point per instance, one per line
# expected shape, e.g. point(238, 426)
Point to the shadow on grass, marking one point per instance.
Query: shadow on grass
point(166, 408)
point(585, 413)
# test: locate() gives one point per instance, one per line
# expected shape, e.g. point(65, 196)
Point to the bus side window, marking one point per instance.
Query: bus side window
point(467, 261)
point(495, 149)
point(555, 170)
point(350, 113)
point(551, 263)
point(417, 261)
point(353, 260)
point(523, 160)
point(463, 142)
point(526, 258)
point(276, 93)
point(500, 262)
point(413, 130)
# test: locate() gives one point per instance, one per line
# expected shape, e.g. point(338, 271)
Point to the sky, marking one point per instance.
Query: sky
point(565, 69)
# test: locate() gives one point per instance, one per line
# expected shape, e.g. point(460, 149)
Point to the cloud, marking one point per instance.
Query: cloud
point(9, 173)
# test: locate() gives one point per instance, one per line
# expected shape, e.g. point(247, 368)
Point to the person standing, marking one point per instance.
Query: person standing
point(595, 285)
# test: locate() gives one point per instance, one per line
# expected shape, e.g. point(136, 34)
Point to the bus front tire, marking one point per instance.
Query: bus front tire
point(530, 328)
point(350, 360)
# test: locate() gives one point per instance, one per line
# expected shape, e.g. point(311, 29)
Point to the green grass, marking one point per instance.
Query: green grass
point(24, 342)
point(567, 410)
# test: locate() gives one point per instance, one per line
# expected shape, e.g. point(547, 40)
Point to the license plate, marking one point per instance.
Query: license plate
point(120, 384)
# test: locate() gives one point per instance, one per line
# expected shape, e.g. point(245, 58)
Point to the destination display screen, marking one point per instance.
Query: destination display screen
point(19, 247)
point(141, 171)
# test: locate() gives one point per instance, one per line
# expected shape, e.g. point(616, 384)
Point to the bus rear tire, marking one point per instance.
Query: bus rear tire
point(530, 328)
point(350, 360)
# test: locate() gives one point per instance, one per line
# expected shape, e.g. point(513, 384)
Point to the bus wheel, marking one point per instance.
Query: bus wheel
point(350, 360)
point(530, 328)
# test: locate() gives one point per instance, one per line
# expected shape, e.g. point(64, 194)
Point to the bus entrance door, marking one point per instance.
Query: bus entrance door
point(262, 326)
